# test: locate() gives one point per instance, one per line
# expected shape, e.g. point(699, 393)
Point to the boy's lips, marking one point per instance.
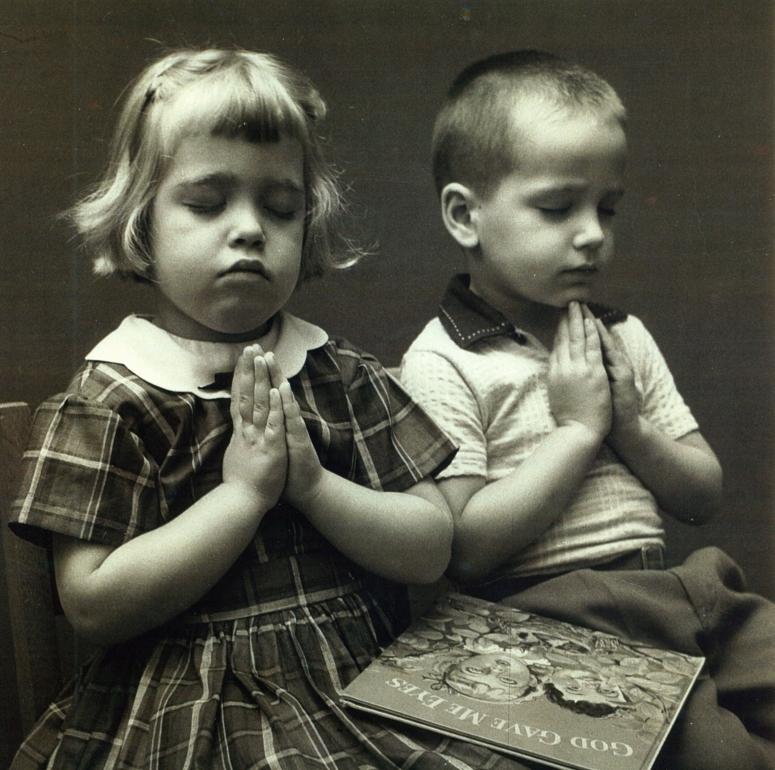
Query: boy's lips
point(584, 271)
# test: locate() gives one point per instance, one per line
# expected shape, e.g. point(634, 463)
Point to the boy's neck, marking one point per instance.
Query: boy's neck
point(533, 317)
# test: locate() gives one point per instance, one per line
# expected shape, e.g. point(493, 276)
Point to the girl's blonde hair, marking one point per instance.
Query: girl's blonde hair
point(232, 93)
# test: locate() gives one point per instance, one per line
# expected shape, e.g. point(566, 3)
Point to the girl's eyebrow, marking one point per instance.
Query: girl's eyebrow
point(215, 179)
point(224, 180)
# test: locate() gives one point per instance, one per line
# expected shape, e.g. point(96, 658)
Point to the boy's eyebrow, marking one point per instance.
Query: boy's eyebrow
point(549, 188)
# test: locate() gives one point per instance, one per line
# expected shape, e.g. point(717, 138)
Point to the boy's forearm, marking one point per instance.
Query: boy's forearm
point(506, 515)
point(403, 536)
point(683, 475)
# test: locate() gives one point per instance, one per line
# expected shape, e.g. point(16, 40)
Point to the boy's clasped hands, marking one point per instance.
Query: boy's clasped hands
point(270, 449)
point(591, 383)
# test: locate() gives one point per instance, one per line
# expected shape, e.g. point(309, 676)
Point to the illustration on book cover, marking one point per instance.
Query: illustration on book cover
point(541, 688)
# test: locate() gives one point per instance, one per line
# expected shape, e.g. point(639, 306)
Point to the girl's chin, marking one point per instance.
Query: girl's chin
point(242, 333)
point(213, 332)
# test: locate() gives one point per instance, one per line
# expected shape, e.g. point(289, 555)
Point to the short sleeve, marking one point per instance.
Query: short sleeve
point(437, 385)
point(396, 444)
point(662, 404)
point(85, 475)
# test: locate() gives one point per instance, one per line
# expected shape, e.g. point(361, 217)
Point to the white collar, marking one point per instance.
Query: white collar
point(189, 366)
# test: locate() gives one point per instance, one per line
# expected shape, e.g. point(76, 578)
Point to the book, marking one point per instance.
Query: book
point(527, 685)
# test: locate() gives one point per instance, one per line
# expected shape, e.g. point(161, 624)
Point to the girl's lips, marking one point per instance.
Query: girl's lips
point(253, 266)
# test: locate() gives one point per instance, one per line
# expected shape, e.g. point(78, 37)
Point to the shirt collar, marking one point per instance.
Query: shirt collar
point(204, 368)
point(467, 318)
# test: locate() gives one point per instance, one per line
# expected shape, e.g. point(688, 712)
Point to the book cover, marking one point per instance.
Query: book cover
point(527, 685)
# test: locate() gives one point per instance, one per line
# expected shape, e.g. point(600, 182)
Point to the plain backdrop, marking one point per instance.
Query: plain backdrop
point(695, 232)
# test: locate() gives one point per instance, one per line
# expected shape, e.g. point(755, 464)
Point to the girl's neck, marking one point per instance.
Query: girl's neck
point(211, 335)
point(174, 321)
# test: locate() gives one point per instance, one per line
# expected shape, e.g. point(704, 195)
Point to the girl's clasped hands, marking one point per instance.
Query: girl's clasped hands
point(270, 449)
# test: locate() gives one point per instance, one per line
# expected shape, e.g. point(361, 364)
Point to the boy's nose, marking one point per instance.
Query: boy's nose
point(590, 234)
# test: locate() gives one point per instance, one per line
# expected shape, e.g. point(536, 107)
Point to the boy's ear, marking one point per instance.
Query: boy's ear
point(458, 212)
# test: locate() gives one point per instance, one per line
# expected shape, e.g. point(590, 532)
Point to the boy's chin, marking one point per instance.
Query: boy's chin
point(583, 296)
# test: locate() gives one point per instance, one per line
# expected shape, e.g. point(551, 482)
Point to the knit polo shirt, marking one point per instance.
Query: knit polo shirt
point(484, 381)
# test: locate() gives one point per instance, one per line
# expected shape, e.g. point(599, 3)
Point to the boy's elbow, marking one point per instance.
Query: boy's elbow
point(708, 510)
point(711, 505)
point(465, 570)
point(706, 503)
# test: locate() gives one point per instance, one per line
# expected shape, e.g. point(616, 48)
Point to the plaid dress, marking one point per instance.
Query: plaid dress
point(249, 676)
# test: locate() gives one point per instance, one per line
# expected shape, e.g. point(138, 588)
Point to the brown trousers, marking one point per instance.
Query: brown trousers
point(701, 608)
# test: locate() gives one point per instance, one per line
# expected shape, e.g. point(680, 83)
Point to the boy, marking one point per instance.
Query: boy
point(557, 468)
point(572, 435)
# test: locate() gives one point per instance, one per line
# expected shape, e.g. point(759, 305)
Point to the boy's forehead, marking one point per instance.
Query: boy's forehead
point(546, 136)
point(534, 114)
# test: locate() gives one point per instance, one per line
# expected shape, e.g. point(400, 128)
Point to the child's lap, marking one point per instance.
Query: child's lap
point(687, 607)
point(262, 691)
point(701, 608)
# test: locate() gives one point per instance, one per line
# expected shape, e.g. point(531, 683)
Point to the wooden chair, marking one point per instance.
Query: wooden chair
point(31, 666)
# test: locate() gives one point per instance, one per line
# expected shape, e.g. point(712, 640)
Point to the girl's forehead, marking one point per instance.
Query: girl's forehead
point(224, 104)
point(207, 156)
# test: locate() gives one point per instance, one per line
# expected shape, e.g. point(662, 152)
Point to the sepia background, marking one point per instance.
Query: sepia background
point(695, 231)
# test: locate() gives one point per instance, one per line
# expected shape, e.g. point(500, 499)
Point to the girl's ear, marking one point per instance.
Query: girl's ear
point(458, 212)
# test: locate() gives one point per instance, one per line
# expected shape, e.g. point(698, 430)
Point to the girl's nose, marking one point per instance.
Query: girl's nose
point(247, 230)
point(590, 234)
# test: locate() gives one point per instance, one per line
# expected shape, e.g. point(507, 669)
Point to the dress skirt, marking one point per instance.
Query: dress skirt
point(243, 693)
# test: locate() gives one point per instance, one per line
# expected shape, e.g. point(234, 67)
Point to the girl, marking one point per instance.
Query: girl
point(233, 546)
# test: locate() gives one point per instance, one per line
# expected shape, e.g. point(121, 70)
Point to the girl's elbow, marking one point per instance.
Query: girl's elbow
point(89, 625)
point(436, 567)
point(430, 563)
point(429, 573)
point(96, 621)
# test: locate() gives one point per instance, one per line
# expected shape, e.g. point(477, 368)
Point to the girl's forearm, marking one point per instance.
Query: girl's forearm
point(403, 536)
point(111, 595)
point(506, 515)
point(683, 475)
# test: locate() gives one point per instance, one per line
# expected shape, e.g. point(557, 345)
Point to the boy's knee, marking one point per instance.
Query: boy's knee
point(709, 737)
point(714, 567)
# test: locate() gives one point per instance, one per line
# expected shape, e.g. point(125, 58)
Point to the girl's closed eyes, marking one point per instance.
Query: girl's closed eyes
point(283, 200)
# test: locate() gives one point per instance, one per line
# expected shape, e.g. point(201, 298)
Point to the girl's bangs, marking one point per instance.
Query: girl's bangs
point(232, 107)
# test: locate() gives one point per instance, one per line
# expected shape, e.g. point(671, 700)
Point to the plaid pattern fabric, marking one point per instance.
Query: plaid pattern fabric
point(249, 677)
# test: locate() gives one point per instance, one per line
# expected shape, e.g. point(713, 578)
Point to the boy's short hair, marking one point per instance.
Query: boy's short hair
point(473, 138)
point(231, 93)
